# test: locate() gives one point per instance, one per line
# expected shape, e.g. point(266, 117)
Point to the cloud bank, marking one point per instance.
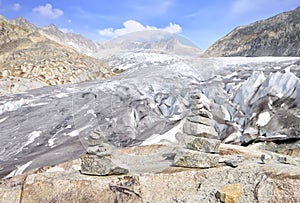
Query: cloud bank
point(48, 11)
point(134, 26)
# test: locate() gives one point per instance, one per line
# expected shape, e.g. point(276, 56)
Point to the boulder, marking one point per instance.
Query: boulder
point(202, 144)
point(199, 130)
point(202, 112)
point(100, 150)
point(94, 165)
point(200, 120)
point(194, 159)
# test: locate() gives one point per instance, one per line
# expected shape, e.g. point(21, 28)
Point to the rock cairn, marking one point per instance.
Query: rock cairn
point(98, 160)
point(199, 137)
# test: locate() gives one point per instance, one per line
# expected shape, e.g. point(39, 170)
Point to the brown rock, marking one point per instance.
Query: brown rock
point(230, 193)
point(67, 189)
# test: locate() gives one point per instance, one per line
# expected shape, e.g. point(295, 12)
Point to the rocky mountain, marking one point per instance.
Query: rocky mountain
point(22, 22)
point(29, 60)
point(146, 48)
point(75, 41)
point(153, 41)
point(275, 36)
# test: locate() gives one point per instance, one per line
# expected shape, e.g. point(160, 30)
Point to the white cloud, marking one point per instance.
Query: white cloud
point(65, 30)
point(173, 28)
point(48, 11)
point(134, 26)
point(16, 7)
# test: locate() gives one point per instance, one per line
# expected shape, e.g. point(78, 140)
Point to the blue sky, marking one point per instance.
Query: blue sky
point(203, 22)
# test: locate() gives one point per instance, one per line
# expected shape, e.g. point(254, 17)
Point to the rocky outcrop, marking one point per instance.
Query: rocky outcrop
point(75, 41)
point(275, 36)
point(29, 55)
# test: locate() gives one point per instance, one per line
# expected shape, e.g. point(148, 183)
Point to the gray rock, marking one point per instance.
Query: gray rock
point(232, 160)
point(194, 159)
point(100, 150)
point(201, 112)
point(93, 165)
point(199, 130)
point(95, 138)
point(232, 163)
point(286, 160)
point(202, 144)
point(249, 135)
point(200, 119)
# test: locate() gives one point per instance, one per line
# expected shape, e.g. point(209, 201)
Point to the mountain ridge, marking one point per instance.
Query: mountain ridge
point(274, 36)
point(28, 54)
point(75, 41)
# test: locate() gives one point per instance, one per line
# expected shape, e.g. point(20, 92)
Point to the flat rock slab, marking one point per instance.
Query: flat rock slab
point(202, 144)
point(137, 159)
point(199, 130)
point(195, 159)
point(94, 165)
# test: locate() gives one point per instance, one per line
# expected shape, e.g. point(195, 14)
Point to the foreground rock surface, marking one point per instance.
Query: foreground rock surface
point(270, 182)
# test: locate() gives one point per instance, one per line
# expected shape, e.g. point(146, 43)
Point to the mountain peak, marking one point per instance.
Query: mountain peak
point(22, 22)
point(51, 27)
point(2, 17)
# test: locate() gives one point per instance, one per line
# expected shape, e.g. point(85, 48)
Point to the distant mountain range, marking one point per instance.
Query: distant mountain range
point(275, 36)
point(32, 57)
point(75, 41)
point(150, 41)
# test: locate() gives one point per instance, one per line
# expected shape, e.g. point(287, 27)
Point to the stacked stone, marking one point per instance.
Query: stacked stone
point(98, 160)
point(201, 146)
